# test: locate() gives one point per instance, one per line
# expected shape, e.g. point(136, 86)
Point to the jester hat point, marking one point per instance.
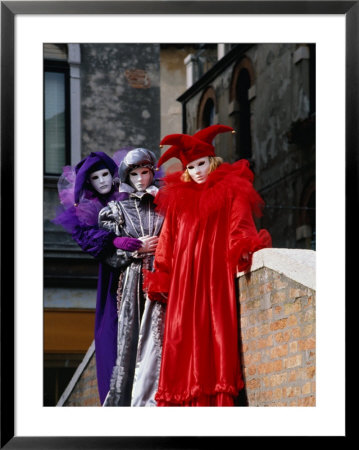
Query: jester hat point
point(188, 148)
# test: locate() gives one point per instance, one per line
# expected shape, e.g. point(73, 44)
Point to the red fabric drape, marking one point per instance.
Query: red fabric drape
point(207, 233)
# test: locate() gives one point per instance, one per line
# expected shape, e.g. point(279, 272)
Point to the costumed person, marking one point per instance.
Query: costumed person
point(83, 191)
point(134, 380)
point(208, 235)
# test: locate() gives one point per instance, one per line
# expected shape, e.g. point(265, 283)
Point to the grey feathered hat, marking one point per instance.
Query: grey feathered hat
point(138, 157)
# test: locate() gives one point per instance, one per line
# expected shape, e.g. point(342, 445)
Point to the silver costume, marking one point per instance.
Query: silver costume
point(140, 321)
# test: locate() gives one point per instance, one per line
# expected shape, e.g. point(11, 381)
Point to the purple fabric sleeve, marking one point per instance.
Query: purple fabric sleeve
point(92, 240)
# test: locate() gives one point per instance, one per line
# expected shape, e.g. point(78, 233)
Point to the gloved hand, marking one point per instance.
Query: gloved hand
point(127, 243)
point(149, 244)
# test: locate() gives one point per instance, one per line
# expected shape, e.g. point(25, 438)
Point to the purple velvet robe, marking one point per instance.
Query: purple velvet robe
point(98, 243)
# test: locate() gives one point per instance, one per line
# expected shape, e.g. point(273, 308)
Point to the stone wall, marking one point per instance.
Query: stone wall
point(120, 91)
point(282, 128)
point(278, 335)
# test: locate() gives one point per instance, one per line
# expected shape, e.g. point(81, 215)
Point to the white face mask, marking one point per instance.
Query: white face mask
point(141, 178)
point(101, 181)
point(199, 169)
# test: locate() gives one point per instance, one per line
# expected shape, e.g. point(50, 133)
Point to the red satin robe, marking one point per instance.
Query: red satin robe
point(207, 232)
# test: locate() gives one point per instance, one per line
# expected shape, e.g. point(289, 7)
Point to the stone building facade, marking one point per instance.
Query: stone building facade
point(266, 92)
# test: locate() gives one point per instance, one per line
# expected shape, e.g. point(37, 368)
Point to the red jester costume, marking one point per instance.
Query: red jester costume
point(208, 234)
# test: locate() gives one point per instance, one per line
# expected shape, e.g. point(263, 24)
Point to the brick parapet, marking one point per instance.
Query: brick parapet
point(277, 327)
point(85, 392)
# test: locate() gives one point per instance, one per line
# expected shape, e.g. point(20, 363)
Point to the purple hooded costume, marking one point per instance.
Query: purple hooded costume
point(79, 216)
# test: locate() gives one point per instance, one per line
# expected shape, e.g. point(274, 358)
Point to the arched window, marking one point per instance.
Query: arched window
point(207, 109)
point(244, 141)
point(242, 81)
point(208, 113)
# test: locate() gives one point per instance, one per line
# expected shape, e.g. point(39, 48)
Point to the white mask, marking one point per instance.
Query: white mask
point(141, 178)
point(198, 169)
point(101, 181)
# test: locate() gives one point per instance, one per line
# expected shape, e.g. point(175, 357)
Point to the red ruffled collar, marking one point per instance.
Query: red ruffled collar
point(239, 169)
point(227, 179)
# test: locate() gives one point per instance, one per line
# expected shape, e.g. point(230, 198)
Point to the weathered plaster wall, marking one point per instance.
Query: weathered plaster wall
point(173, 83)
point(120, 96)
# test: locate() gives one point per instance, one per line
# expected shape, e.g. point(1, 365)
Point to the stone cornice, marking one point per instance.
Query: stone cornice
point(296, 264)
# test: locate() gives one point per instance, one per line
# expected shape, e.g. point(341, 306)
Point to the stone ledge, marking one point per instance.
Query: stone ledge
point(296, 264)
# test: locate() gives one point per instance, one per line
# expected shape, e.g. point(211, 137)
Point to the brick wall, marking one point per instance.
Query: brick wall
point(277, 321)
point(278, 339)
point(82, 390)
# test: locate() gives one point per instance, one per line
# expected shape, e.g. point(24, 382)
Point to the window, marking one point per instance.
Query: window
point(244, 140)
point(56, 116)
point(312, 77)
point(207, 109)
point(242, 82)
point(208, 114)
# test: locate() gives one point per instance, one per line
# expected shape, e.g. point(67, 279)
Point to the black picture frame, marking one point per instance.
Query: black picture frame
point(9, 9)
